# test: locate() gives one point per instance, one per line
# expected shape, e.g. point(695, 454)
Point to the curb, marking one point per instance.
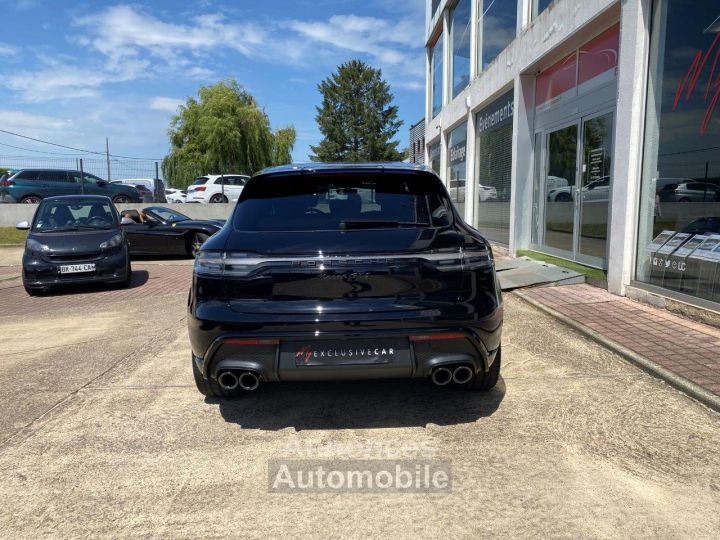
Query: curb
point(673, 379)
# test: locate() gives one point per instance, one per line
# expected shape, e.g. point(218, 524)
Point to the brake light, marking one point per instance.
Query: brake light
point(6, 183)
point(442, 336)
point(201, 188)
point(251, 341)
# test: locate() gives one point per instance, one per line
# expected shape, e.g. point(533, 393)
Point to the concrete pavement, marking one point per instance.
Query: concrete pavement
point(108, 437)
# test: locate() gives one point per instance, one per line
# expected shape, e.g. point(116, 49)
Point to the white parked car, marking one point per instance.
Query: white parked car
point(597, 190)
point(175, 195)
point(213, 188)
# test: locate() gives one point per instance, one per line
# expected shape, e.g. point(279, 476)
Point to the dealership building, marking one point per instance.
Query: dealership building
point(586, 130)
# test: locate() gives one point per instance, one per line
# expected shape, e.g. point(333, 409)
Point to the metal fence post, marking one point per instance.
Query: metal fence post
point(82, 178)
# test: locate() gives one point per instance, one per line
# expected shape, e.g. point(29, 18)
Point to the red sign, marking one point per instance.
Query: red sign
point(598, 62)
point(689, 82)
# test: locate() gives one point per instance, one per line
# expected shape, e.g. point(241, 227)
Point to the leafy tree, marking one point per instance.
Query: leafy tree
point(223, 130)
point(357, 116)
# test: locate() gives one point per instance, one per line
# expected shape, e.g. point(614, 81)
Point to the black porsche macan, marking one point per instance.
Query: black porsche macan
point(344, 272)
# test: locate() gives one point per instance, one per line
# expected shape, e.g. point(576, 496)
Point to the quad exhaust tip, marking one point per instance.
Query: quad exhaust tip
point(248, 381)
point(228, 380)
point(462, 375)
point(442, 376)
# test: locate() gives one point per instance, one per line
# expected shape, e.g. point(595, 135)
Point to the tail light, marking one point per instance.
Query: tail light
point(219, 264)
point(6, 183)
point(201, 188)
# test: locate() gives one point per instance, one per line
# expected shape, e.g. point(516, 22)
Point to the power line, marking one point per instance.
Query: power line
point(39, 151)
point(73, 148)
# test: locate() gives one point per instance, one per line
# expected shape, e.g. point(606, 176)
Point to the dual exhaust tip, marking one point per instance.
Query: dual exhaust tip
point(444, 375)
point(247, 380)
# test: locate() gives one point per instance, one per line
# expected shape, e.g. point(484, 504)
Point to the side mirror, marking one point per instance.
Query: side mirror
point(127, 221)
point(102, 183)
point(23, 226)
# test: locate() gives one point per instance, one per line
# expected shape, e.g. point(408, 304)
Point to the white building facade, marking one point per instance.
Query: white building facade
point(584, 129)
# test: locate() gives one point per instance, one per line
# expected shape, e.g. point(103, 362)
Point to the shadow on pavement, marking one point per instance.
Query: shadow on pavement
point(139, 278)
point(357, 405)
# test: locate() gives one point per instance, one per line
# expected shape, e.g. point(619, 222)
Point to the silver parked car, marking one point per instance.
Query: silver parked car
point(688, 191)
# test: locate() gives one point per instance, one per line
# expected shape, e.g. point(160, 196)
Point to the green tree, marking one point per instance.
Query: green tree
point(357, 117)
point(223, 130)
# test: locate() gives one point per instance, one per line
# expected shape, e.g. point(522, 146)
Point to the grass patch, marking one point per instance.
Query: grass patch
point(592, 273)
point(10, 235)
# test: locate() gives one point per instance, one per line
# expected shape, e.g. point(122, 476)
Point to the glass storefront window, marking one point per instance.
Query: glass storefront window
point(539, 6)
point(460, 37)
point(497, 27)
point(437, 76)
point(494, 168)
point(679, 229)
point(435, 6)
point(456, 173)
point(434, 155)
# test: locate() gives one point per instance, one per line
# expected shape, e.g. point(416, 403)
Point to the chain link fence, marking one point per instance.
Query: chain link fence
point(119, 169)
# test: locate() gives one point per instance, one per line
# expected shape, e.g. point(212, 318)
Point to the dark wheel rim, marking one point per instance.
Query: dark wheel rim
point(31, 200)
point(197, 243)
point(120, 199)
point(217, 199)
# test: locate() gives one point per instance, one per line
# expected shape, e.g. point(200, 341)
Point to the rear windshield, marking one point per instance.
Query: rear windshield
point(342, 202)
point(200, 181)
point(65, 216)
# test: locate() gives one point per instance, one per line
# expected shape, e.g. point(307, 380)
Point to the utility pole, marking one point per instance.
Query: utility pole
point(107, 157)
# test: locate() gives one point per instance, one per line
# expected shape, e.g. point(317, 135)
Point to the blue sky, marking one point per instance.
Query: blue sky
point(76, 72)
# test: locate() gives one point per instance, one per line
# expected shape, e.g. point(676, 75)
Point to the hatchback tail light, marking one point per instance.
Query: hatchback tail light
point(6, 183)
point(201, 188)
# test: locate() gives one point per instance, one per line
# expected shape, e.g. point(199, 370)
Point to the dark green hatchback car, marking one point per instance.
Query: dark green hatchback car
point(30, 186)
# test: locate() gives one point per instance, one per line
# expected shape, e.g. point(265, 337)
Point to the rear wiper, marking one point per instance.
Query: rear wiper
point(377, 224)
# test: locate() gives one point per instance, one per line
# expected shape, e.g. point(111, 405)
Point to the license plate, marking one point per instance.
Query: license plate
point(345, 352)
point(76, 268)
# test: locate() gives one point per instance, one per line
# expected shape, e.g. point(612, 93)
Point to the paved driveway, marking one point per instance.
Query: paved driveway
point(102, 433)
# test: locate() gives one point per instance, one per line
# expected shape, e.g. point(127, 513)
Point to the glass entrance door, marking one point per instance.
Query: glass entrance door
point(573, 187)
point(560, 180)
point(595, 187)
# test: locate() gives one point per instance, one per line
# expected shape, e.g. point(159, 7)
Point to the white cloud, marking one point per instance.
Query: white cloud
point(165, 104)
point(19, 120)
point(125, 31)
point(8, 50)
point(61, 80)
point(393, 46)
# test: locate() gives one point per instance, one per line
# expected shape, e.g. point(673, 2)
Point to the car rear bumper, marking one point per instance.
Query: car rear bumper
point(40, 274)
point(269, 348)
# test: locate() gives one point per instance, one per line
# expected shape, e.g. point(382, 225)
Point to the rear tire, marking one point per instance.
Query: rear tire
point(31, 199)
point(218, 198)
point(120, 199)
point(486, 381)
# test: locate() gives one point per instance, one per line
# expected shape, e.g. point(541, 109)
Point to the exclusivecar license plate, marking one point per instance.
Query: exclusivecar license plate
point(76, 268)
point(346, 352)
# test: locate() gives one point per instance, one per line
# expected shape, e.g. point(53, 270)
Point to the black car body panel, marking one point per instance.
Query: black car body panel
point(162, 231)
point(63, 253)
point(427, 291)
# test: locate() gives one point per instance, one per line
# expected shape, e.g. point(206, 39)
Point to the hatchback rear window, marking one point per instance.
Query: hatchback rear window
point(200, 181)
point(342, 202)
